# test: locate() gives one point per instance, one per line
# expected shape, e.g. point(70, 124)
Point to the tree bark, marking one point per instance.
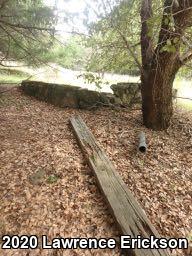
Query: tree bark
point(156, 92)
point(159, 66)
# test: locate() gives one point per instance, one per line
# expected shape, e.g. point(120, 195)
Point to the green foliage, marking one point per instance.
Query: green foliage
point(70, 54)
point(169, 47)
point(25, 29)
point(91, 78)
point(185, 72)
point(109, 52)
point(118, 29)
point(52, 179)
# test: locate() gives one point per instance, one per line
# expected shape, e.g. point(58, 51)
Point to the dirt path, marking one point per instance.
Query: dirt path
point(46, 187)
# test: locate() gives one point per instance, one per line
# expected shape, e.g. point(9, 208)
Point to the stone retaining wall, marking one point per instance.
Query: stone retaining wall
point(66, 95)
point(125, 94)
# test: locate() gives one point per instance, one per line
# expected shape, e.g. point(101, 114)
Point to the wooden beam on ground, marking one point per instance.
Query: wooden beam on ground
point(127, 212)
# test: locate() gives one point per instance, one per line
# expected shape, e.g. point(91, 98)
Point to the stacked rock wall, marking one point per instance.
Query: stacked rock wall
point(66, 95)
point(127, 94)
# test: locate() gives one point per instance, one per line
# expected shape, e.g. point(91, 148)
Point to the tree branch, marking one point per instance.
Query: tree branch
point(130, 50)
point(186, 57)
point(146, 41)
point(20, 46)
point(27, 27)
point(183, 14)
point(121, 34)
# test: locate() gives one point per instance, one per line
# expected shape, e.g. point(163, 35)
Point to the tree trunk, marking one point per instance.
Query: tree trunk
point(161, 63)
point(157, 85)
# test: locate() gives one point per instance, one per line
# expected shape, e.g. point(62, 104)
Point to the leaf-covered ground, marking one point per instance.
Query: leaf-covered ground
point(46, 187)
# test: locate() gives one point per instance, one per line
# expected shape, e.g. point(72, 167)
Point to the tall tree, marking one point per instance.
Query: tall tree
point(160, 43)
point(161, 63)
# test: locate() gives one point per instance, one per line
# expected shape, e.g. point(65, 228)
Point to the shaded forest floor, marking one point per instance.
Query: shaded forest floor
point(46, 187)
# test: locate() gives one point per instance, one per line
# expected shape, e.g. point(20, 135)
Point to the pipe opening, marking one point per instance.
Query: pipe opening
point(142, 149)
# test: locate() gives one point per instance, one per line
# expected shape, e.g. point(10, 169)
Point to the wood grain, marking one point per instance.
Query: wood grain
point(127, 212)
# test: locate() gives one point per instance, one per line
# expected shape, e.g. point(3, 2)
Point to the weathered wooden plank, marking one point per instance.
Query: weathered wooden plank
point(127, 212)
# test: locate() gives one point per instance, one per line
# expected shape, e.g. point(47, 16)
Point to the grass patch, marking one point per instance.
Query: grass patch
point(11, 79)
point(12, 75)
point(186, 104)
point(11, 71)
point(184, 88)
